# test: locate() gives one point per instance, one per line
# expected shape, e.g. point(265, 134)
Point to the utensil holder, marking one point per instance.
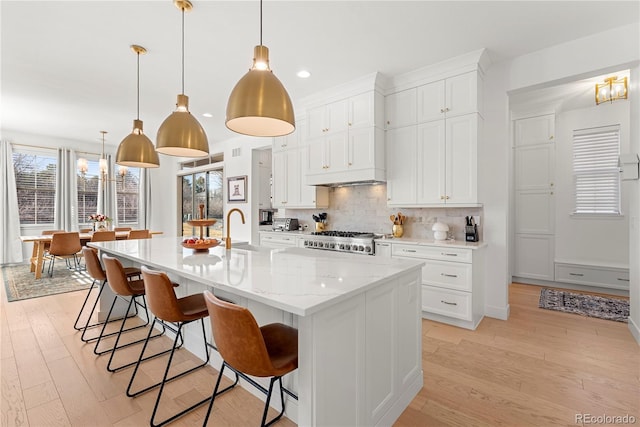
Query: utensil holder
point(319, 226)
point(397, 230)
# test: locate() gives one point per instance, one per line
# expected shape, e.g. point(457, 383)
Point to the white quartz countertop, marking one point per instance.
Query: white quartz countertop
point(299, 281)
point(430, 242)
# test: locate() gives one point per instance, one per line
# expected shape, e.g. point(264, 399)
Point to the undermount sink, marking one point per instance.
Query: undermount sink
point(247, 247)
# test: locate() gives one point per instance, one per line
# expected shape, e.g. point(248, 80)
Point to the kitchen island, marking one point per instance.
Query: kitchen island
point(358, 319)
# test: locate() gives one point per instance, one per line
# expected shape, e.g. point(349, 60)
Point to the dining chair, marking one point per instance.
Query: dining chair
point(103, 236)
point(122, 229)
point(47, 245)
point(64, 246)
point(139, 234)
point(86, 230)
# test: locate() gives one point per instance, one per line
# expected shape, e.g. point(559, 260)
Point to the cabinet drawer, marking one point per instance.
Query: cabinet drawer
point(277, 241)
point(450, 275)
point(432, 252)
point(447, 303)
point(607, 277)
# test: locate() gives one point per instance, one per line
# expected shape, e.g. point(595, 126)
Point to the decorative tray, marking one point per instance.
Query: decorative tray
point(200, 245)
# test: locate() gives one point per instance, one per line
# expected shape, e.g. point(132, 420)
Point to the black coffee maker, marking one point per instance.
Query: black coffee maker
point(470, 230)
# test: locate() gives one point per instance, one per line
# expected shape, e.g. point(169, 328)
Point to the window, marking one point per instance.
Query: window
point(202, 188)
point(88, 191)
point(595, 170)
point(36, 185)
point(128, 194)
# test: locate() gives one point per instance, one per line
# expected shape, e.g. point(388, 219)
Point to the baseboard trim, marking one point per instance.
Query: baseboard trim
point(635, 330)
point(572, 286)
point(501, 313)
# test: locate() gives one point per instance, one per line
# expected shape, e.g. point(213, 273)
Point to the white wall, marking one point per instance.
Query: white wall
point(164, 191)
point(633, 188)
point(580, 239)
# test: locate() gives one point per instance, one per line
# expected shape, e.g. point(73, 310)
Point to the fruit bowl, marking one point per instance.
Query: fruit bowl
point(201, 245)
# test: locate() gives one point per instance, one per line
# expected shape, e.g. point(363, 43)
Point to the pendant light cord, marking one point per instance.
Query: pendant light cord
point(138, 84)
point(260, 22)
point(183, 50)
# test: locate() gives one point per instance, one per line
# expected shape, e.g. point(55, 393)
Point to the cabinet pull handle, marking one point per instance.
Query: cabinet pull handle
point(551, 137)
point(441, 197)
point(623, 280)
point(576, 274)
point(448, 275)
point(448, 303)
point(447, 254)
point(408, 250)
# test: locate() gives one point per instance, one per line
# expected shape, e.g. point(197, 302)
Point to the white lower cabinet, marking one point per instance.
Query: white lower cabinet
point(278, 239)
point(592, 275)
point(452, 281)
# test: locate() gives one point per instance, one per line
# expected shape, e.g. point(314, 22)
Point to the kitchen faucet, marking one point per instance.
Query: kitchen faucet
point(227, 244)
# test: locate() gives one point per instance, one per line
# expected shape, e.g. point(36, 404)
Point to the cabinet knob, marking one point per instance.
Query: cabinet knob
point(551, 185)
point(349, 123)
point(389, 199)
point(441, 197)
point(388, 122)
point(350, 164)
point(551, 193)
point(446, 197)
point(551, 137)
point(442, 110)
point(446, 109)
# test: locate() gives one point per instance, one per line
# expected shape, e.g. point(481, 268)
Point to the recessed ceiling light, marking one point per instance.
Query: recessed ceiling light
point(207, 114)
point(304, 74)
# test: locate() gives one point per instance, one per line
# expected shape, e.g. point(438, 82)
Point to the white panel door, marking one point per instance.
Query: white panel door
point(317, 160)
point(535, 130)
point(401, 166)
point(316, 122)
point(293, 178)
point(361, 148)
point(361, 110)
point(535, 256)
point(336, 152)
point(431, 161)
point(337, 116)
point(461, 159)
point(461, 94)
point(400, 109)
point(535, 212)
point(431, 102)
point(280, 179)
point(534, 167)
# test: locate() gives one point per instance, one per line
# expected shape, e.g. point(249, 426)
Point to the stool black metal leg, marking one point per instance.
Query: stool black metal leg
point(266, 405)
point(216, 392)
point(93, 284)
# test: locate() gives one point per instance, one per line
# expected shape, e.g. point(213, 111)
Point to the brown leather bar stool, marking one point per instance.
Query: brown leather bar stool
point(133, 292)
point(65, 246)
point(99, 276)
point(266, 351)
point(167, 307)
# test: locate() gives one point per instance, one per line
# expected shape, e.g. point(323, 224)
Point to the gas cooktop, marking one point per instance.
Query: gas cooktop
point(357, 242)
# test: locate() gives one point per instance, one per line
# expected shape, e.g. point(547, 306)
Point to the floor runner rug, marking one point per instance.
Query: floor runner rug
point(586, 305)
point(21, 284)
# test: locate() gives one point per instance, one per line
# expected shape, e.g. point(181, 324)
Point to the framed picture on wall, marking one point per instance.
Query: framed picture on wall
point(237, 189)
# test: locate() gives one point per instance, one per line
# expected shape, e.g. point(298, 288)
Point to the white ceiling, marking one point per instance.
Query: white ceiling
point(67, 70)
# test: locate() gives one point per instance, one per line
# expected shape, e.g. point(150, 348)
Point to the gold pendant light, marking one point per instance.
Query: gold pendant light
point(259, 105)
point(181, 134)
point(136, 149)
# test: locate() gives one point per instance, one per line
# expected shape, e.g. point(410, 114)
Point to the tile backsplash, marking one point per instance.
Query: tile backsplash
point(364, 208)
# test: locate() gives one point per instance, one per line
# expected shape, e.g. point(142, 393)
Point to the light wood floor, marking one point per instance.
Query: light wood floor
point(539, 368)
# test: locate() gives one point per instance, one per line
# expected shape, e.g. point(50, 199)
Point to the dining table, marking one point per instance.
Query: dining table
point(37, 255)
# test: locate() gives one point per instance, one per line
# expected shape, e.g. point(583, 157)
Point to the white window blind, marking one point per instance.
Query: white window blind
point(35, 173)
point(595, 170)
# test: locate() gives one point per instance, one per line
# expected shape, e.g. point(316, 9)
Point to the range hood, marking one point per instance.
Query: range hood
point(347, 178)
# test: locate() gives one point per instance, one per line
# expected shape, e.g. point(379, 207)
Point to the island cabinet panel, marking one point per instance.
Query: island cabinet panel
point(366, 355)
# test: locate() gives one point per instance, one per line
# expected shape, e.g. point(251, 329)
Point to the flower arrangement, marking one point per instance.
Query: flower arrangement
point(99, 218)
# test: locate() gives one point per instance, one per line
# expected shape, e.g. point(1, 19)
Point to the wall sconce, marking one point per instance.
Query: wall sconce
point(611, 89)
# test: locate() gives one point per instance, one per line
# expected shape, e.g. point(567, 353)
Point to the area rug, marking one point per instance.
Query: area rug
point(586, 305)
point(21, 284)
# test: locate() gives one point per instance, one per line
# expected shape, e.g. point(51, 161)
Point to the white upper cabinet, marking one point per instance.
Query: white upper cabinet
point(400, 109)
point(348, 151)
point(328, 119)
point(290, 163)
point(446, 98)
point(434, 161)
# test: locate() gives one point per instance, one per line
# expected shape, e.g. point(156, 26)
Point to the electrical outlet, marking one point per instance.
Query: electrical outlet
point(476, 220)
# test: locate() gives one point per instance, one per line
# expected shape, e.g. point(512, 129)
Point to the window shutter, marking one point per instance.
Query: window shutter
point(595, 169)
